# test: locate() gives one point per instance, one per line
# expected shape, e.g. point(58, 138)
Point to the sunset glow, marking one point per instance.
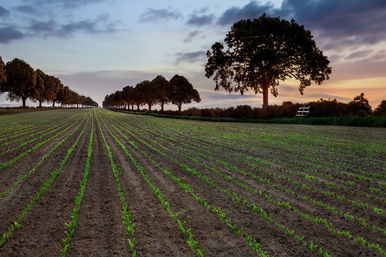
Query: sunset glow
point(99, 46)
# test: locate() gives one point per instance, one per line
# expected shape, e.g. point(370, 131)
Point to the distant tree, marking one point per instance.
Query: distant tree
point(21, 81)
point(139, 95)
point(147, 92)
point(162, 90)
point(87, 101)
point(360, 106)
point(182, 91)
point(41, 79)
point(55, 91)
point(128, 95)
point(262, 52)
point(381, 109)
point(3, 76)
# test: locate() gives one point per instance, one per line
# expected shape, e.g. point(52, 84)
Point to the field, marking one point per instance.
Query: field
point(101, 183)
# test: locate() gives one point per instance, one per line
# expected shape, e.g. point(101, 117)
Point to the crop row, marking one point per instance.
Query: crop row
point(295, 163)
point(18, 221)
point(126, 214)
point(317, 220)
point(205, 153)
point(286, 205)
point(41, 161)
point(283, 168)
point(34, 147)
point(235, 197)
point(48, 131)
point(186, 232)
point(70, 227)
point(38, 131)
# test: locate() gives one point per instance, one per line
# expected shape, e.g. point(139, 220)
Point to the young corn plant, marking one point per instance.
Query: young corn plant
point(70, 227)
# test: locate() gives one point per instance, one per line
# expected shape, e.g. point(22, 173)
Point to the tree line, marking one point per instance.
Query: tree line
point(359, 106)
point(23, 82)
point(160, 91)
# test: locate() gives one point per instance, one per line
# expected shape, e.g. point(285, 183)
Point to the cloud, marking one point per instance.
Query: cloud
point(230, 96)
point(340, 23)
point(251, 10)
point(190, 57)
point(27, 9)
point(337, 23)
point(193, 34)
point(3, 12)
point(156, 15)
point(200, 20)
point(51, 28)
point(66, 3)
point(359, 54)
point(8, 34)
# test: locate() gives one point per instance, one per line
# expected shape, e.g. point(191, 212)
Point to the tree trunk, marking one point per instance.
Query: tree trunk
point(149, 106)
point(53, 103)
point(179, 106)
point(23, 99)
point(40, 104)
point(137, 107)
point(265, 97)
point(132, 107)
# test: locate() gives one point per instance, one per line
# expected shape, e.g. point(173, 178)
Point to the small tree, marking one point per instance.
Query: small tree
point(381, 109)
point(162, 90)
point(262, 52)
point(182, 91)
point(21, 81)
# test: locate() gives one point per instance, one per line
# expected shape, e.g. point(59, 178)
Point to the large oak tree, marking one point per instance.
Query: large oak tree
point(21, 80)
point(262, 52)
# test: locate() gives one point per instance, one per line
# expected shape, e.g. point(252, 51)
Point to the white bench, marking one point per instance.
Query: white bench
point(303, 111)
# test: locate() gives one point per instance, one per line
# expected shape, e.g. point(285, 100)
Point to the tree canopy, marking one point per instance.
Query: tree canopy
point(21, 80)
point(162, 90)
point(159, 90)
point(262, 52)
point(182, 91)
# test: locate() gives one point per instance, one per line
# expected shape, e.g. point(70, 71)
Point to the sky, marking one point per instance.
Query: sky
point(99, 46)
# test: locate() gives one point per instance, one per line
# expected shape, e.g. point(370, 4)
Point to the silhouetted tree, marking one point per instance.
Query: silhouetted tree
point(138, 96)
point(162, 90)
point(182, 91)
point(264, 51)
point(41, 79)
point(360, 106)
point(381, 109)
point(56, 92)
point(147, 93)
point(3, 76)
point(21, 80)
point(128, 95)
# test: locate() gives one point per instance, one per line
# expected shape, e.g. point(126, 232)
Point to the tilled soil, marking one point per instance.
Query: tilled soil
point(181, 147)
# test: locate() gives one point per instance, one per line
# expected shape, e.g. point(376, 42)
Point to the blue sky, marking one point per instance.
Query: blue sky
point(99, 46)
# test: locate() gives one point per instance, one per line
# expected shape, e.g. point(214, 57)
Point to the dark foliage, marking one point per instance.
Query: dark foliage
point(262, 52)
point(21, 82)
